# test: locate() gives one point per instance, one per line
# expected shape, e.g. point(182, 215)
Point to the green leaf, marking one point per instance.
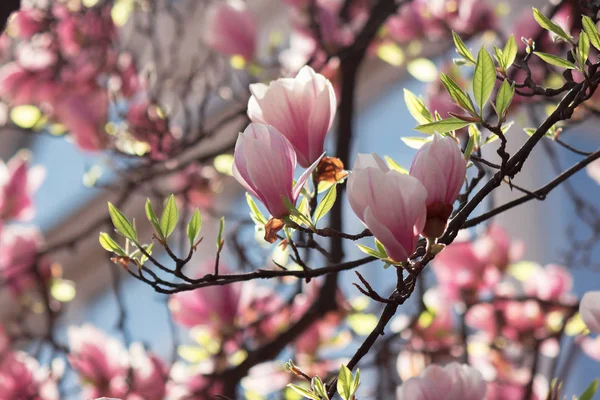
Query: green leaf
point(591, 390)
point(169, 217)
point(442, 126)
point(121, 223)
point(110, 245)
point(470, 147)
point(306, 393)
point(500, 58)
point(592, 31)
point(148, 250)
point(153, 218)
point(295, 213)
point(461, 48)
point(395, 166)
point(255, 213)
point(550, 25)
point(326, 204)
point(504, 98)
point(510, 52)
point(220, 234)
point(476, 134)
point(319, 388)
point(457, 94)
point(344, 383)
point(380, 247)
point(194, 226)
point(583, 49)
point(484, 78)
point(356, 382)
point(554, 60)
point(417, 108)
point(371, 252)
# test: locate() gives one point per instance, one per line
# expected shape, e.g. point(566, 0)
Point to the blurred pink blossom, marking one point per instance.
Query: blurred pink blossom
point(97, 358)
point(147, 379)
point(551, 283)
point(451, 382)
point(21, 377)
point(214, 307)
point(147, 124)
point(231, 29)
point(18, 183)
point(18, 257)
point(190, 382)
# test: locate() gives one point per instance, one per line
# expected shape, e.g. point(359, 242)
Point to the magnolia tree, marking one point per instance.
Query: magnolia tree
point(159, 90)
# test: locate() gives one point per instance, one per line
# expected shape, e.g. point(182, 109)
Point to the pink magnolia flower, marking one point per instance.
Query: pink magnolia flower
point(264, 164)
point(18, 183)
point(589, 308)
point(441, 168)
point(521, 317)
point(20, 86)
point(18, 258)
point(551, 283)
point(147, 125)
point(302, 109)
point(390, 204)
point(21, 377)
point(97, 359)
point(451, 382)
point(231, 29)
point(213, 306)
point(483, 317)
point(591, 347)
point(84, 113)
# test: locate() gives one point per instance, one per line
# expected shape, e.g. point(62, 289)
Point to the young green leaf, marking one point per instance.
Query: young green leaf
point(153, 218)
point(380, 247)
point(255, 213)
point(110, 245)
point(319, 388)
point(442, 126)
point(356, 382)
point(395, 166)
point(510, 52)
point(371, 252)
point(550, 25)
point(326, 203)
point(417, 108)
point(591, 390)
point(148, 250)
point(590, 28)
point(220, 234)
point(504, 98)
point(121, 223)
point(554, 60)
point(583, 49)
point(499, 58)
point(461, 49)
point(194, 226)
point(470, 147)
point(345, 383)
point(457, 94)
point(307, 394)
point(169, 217)
point(484, 78)
point(476, 134)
